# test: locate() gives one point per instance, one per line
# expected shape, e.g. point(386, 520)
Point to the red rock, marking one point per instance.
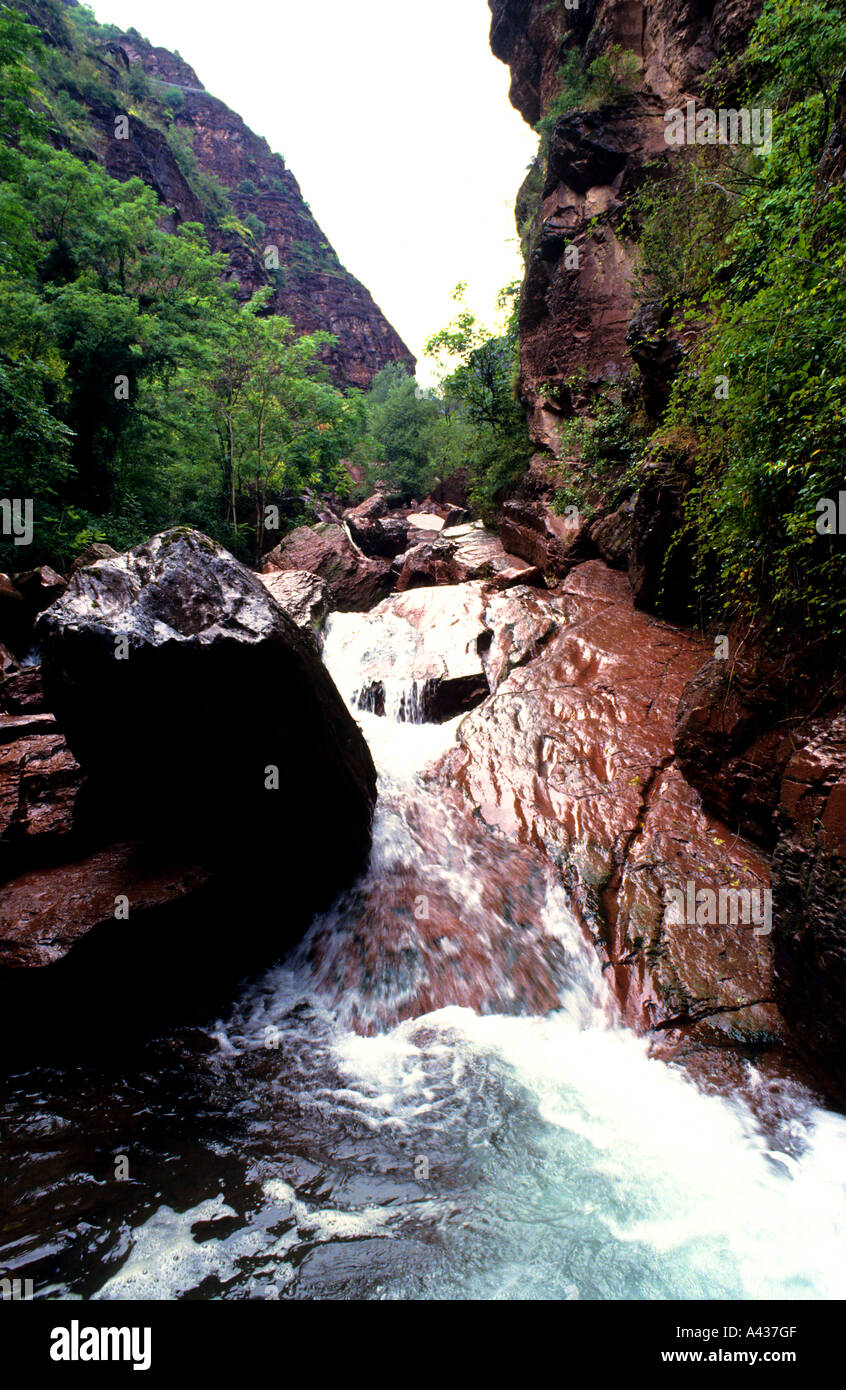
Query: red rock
point(551, 543)
point(22, 691)
point(574, 318)
point(737, 729)
point(39, 780)
point(40, 587)
point(355, 581)
point(573, 754)
point(98, 550)
point(45, 913)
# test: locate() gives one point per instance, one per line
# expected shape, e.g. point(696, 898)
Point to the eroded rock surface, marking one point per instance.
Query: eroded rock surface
point(304, 596)
point(39, 780)
point(552, 543)
point(460, 554)
point(738, 727)
point(44, 913)
point(809, 895)
point(576, 315)
point(573, 754)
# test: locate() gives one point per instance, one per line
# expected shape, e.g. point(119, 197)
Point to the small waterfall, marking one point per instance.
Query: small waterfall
point(361, 658)
point(430, 1098)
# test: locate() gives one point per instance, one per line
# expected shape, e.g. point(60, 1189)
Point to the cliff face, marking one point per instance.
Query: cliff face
point(288, 251)
point(761, 739)
point(574, 318)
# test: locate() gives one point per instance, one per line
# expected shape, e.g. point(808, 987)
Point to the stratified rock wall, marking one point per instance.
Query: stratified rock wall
point(310, 285)
point(573, 319)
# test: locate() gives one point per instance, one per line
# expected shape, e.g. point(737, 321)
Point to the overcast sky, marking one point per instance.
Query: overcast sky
point(393, 116)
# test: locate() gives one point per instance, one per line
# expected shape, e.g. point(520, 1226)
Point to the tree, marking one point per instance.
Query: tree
point(478, 378)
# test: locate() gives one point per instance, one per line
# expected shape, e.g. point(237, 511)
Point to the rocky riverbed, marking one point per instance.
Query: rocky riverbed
point(504, 975)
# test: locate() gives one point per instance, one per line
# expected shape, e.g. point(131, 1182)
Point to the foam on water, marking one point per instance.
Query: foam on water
point(459, 1155)
point(536, 1157)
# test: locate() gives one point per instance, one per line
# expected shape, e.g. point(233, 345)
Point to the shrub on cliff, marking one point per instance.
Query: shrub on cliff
point(610, 76)
point(745, 254)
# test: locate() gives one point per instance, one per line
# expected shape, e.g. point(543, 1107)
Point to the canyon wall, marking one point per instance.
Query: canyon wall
point(579, 319)
point(758, 737)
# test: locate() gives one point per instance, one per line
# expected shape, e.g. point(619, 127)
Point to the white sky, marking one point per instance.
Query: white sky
point(393, 116)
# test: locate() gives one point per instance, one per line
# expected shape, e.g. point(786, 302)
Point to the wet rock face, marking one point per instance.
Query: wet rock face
point(46, 912)
point(404, 942)
point(573, 753)
point(355, 581)
point(39, 780)
point(656, 352)
point(660, 557)
point(530, 530)
point(446, 647)
point(205, 720)
point(809, 895)
point(460, 555)
point(737, 729)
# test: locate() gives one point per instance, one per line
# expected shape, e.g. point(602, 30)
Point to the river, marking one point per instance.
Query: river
point(282, 1153)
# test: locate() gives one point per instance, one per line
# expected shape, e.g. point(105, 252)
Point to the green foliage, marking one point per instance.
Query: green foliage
point(207, 188)
point(400, 418)
point(751, 252)
point(173, 98)
point(306, 258)
point(135, 392)
point(479, 383)
point(609, 447)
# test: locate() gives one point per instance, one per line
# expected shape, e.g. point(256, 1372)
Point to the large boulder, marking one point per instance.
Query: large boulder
point(554, 544)
point(459, 555)
point(15, 618)
point(573, 753)
point(355, 580)
point(305, 598)
point(376, 531)
point(432, 653)
point(205, 720)
point(22, 598)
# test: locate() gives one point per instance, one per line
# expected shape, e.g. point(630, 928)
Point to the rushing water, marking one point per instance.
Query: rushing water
point(281, 1154)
